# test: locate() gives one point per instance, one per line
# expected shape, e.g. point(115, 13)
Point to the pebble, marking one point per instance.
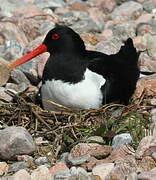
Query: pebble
point(78, 160)
point(153, 115)
point(146, 146)
point(5, 96)
point(22, 175)
point(92, 149)
point(17, 166)
point(41, 173)
point(57, 168)
point(96, 139)
point(126, 11)
point(41, 160)
point(103, 170)
point(121, 139)
point(10, 138)
point(19, 77)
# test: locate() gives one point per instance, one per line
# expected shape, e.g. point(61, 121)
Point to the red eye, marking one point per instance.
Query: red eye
point(55, 36)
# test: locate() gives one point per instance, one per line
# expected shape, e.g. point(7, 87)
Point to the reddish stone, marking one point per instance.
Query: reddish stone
point(58, 167)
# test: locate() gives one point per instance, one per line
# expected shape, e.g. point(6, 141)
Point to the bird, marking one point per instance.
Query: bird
point(83, 79)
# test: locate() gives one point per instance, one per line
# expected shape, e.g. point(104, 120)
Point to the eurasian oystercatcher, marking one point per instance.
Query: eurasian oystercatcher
point(83, 79)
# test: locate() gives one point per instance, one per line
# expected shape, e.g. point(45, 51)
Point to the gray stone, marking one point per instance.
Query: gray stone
point(103, 170)
point(45, 27)
point(30, 70)
point(147, 175)
point(79, 21)
point(41, 173)
point(124, 31)
point(15, 141)
point(16, 88)
point(149, 5)
point(153, 115)
point(13, 50)
point(63, 174)
point(96, 139)
point(132, 176)
point(41, 160)
point(78, 160)
point(18, 165)
point(64, 156)
point(79, 173)
point(49, 4)
point(121, 139)
point(18, 77)
point(110, 46)
point(4, 97)
point(126, 11)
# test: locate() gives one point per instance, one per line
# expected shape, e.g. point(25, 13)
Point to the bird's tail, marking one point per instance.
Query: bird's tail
point(128, 53)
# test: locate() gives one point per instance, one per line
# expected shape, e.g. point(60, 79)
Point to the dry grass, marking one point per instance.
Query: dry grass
point(67, 127)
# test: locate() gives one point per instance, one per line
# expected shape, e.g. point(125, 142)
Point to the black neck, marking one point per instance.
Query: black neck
point(68, 68)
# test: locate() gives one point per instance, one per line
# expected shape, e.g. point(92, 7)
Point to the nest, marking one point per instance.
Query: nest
point(65, 128)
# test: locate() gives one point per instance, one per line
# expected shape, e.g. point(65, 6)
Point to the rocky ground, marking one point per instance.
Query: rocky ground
point(112, 143)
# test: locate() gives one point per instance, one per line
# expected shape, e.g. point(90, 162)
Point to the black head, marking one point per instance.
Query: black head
point(63, 39)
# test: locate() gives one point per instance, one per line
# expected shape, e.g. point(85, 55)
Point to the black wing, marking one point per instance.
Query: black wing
point(120, 71)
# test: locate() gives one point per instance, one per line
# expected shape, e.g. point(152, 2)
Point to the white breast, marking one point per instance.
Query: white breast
point(85, 94)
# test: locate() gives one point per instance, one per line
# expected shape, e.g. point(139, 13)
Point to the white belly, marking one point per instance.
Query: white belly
point(83, 95)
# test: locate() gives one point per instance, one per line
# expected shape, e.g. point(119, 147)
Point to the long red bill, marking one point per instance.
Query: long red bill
point(39, 50)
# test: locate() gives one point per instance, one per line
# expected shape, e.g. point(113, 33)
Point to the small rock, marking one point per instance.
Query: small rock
point(121, 139)
point(126, 11)
point(5, 73)
point(91, 149)
point(79, 173)
point(151, 46)
point(40, 141)
point(3, 168)
point(150, 175)
point(18, 166)
point(110, 46)
point(103, 170)
point(41, 173)
point(146, 163)
point(78, 160)
point(45, 27)
point(154, 156)
point(124, 31)
point(64, 156)
point(149, 5)
point(19, 77)
point(41, 160)
point(153, 115)
point(58, 167)
point(121, 152)
point(132, 176)
point(13, 50)
point(146, 146)
point(107, 6)
point(15, 141)
point(147, 86)
point(12, 31)
point(96, 139)
point(4, 96)
point(16, 88)
point(22, 175)
point(64, 174)
point(24, 158)
point(49, 4)
point(153, 102)
point(123, 168)
point(79, 21)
